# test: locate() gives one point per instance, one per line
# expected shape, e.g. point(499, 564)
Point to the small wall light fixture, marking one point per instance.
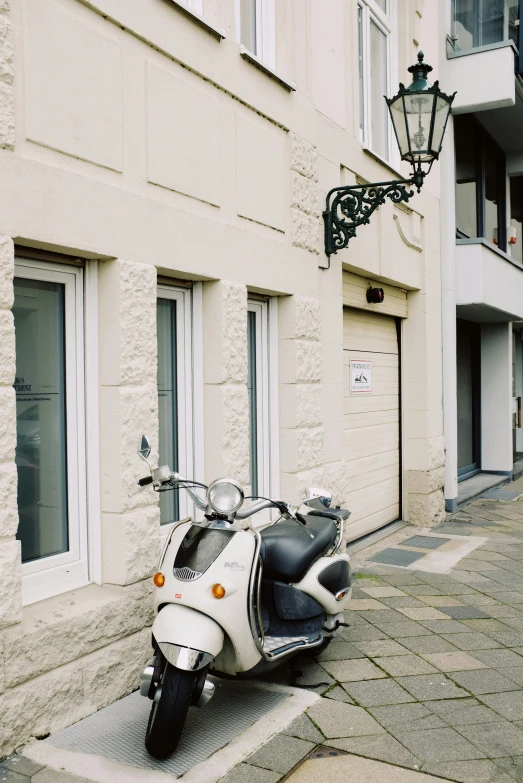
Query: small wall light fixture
point(419, 116)
point(375, 295)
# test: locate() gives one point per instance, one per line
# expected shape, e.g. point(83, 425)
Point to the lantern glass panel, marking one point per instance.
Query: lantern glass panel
point(440, 122)
point(419, 115)
point(398, 120)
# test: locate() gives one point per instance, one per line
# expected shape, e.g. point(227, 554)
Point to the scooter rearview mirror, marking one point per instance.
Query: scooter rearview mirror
point(318, 499)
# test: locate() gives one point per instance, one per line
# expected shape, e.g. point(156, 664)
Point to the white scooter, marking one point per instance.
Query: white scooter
point(235, 600)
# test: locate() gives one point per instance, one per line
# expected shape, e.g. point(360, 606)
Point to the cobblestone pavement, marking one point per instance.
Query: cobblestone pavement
point(429, 675)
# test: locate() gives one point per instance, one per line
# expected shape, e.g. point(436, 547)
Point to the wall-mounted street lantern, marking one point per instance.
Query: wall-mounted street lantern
point(419, 115)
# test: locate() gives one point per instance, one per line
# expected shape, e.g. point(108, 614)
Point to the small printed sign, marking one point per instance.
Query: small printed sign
point(360, 377)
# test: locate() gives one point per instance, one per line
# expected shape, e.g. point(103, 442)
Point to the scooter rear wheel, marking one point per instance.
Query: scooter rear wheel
point(169, 713)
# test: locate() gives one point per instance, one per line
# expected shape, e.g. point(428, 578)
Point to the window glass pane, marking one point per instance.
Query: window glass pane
point(483, 22)
point(41, 447)
point(516, 216)
point(168, 402)
point(378, 88)
point(248, 24)
point(466, 176)
point(360, 69)
point(493, 192)
point(382, 4)
point(253, 415)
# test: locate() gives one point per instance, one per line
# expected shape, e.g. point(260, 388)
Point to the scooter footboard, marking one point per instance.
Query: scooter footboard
point(188, 639)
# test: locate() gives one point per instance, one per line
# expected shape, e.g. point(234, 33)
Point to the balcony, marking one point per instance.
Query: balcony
point(488, 283)
point(483, 55)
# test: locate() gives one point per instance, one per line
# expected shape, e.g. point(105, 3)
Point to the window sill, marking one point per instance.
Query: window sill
point(368, 151)
point(490, 246)
point(478, 49)
point(216, 32)
point(251, 58)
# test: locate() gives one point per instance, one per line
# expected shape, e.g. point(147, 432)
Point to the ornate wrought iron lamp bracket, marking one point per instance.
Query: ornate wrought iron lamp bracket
point(350, 206)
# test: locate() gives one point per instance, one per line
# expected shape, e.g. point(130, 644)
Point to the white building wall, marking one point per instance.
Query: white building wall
point(149, 145)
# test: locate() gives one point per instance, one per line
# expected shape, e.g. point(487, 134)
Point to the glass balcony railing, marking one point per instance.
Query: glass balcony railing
point(484, 22)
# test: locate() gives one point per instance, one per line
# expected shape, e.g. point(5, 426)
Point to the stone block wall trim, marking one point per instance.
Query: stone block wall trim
point(128, 408)
point(7, 98)
point(306, 224)
point(10, 583)
point(426, 510)
point(59, 698)
point(10, 554)
point(71, 628)
point(301, 394)
point(226, 370)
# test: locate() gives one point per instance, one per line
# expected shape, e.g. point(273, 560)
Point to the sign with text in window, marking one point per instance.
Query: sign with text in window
point(360, 376)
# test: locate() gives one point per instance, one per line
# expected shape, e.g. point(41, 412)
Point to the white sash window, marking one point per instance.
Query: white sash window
point(256, 28)
point(175, 395)
point(377, 56)
point(50, 452)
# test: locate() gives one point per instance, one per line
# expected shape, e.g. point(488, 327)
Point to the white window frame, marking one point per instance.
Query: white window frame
point(187, 369)
point(57, 574)
point(266, 395)
point(265, 31)
point(387, 23)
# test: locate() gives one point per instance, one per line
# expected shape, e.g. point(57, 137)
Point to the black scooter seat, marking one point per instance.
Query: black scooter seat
point(288, 551)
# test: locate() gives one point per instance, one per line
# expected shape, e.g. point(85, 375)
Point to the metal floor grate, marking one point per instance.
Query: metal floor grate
point(118, 731)
point(397, 557)
point(425, 542)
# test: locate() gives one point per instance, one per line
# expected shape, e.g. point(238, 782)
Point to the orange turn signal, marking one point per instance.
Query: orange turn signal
point(159, 579)
point(218, 591)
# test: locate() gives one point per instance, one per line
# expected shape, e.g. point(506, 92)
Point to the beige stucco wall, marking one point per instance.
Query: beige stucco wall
point(129, 134)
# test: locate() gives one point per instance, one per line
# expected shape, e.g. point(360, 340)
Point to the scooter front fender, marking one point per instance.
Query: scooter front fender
point(189, 639)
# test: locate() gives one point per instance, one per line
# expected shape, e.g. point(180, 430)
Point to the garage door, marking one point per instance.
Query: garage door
point(371, 420)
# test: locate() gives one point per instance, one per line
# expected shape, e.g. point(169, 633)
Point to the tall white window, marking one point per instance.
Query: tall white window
point(259, 393)
point(50, 450)
point(377, 66)
point(256, 26)
point(175, 395)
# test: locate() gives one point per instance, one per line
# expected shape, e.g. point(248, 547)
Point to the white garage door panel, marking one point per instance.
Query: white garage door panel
point(357, 527)
point(368, 446)
point(371, 423)
point(364, 480)
point(372, 464)
point(377, 418)
point(357, 404)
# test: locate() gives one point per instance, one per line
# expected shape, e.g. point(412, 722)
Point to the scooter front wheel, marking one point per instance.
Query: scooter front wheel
point(169, 711)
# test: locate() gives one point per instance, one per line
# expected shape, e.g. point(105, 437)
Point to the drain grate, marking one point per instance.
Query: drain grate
point(398, 557)
point(118, 731)
point(425, 542)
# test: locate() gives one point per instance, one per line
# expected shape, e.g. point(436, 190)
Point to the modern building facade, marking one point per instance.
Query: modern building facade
point(163, 167)
point(482, 242)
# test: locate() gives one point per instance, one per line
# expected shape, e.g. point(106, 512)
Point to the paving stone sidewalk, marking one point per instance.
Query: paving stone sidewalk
point(428, 677)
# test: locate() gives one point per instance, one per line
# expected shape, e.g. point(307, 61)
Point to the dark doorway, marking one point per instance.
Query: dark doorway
point(468, 359)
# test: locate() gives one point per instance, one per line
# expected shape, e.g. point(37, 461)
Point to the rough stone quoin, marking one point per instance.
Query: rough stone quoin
point(10, 583)
point(304, 157)
point(7, 97)
point(10, 559)
point(51, 702)
point(59, 630)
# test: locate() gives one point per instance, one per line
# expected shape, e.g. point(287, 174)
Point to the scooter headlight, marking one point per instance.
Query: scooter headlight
point(225, 496)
